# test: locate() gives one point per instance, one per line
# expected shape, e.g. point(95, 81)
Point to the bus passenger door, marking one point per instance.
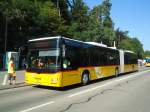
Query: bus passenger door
point(70, 72)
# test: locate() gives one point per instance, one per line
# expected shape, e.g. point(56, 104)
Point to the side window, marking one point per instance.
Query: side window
point(106, 57)
point(125, 59)
point(84, 57)
point(114, 57)
point(70, 59)
point(93, 56)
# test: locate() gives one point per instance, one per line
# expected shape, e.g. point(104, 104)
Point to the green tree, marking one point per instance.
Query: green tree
point(120, 35)
point(108, 36)
point(79, 19)
point(95, 24)
point(108, 25)
point(147, 53)
point(48, 20)
point(133, 44)
point(29, 19)
point(62, 6)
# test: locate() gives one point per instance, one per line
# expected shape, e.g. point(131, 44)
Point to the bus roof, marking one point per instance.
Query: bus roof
point(87, 44)
point(48, 38)
point(128, 51)
point(44, 38)
point(77, 41)
point(97, 44)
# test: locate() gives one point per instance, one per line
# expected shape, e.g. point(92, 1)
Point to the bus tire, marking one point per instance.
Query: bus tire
point(116, 72)
point(85, 78)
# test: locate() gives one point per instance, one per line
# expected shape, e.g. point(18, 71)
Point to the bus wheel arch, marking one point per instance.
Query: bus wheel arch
point(85, 78)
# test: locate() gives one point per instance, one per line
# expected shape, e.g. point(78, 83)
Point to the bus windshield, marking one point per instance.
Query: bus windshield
point(44, 58)
point(148, 60)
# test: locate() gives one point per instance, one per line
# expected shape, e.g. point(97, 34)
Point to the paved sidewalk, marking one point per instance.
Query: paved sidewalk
point(14, 86)
point(20, 80)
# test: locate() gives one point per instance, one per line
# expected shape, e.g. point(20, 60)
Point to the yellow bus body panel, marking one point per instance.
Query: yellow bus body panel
point(44, 79)
point(130, 67)
point(74, 76)
point(147, 64)
point(70, 77)
point(108, 71)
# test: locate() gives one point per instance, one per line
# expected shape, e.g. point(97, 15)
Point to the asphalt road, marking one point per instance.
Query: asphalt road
point(127, 93)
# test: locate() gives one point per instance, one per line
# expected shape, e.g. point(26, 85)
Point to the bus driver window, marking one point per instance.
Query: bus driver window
point(66, 63)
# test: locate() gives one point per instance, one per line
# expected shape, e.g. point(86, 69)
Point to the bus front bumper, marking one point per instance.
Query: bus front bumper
point(53, 80)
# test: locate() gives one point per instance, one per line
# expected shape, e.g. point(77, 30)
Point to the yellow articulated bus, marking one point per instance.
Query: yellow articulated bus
point(60, 61)
point(147, 62)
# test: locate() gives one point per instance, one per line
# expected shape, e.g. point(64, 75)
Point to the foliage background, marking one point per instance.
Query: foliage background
point(22, 20)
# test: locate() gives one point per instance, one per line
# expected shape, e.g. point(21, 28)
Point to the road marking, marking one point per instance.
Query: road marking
point(38, 106)
point(88, 90)
point(5, 80)
point(108, 83)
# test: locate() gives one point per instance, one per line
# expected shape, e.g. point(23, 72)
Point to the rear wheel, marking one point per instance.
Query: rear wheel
point(85, 78)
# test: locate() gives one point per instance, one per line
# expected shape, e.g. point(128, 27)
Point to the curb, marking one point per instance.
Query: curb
point(17, 85)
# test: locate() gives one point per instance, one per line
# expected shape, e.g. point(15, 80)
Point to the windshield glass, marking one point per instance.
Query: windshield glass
point(148, 60)
point(44, 58)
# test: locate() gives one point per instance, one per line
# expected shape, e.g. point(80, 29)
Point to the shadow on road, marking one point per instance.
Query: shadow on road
point(67, 88)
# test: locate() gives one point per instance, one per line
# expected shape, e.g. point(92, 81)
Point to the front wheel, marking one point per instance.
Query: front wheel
point(85, 78)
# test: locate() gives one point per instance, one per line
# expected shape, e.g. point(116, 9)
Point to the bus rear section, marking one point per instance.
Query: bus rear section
point(147, 62)
point(128, 61)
